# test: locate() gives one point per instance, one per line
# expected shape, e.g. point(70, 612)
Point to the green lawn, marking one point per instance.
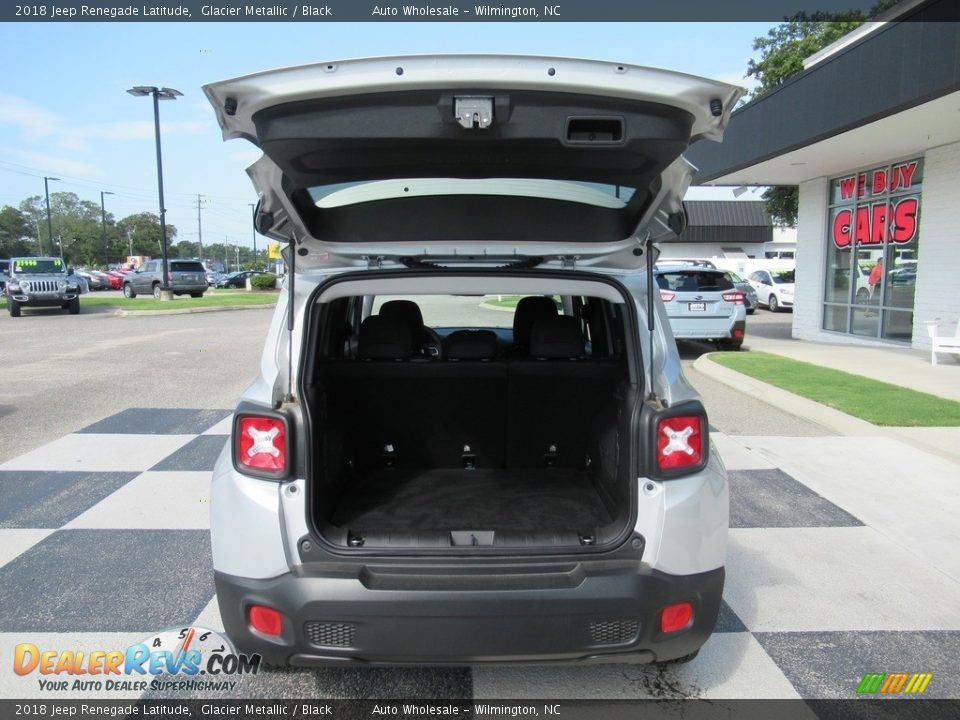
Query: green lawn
point(871, 400)
point(219, 298)
point(505, 301)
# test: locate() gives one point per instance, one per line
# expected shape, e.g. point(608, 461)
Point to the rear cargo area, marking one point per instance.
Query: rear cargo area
point(447, 499)
point(515, 447)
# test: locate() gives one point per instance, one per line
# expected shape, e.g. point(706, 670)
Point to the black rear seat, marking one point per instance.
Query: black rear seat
point(559, 399)
point(472, 408)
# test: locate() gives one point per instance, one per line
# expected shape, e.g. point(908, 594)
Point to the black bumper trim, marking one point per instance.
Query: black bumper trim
point(468, 627)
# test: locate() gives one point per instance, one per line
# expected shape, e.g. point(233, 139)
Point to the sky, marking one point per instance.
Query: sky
point(64, 110)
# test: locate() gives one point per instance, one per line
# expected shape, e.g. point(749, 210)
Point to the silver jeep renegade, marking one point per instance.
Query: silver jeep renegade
point(470, 439)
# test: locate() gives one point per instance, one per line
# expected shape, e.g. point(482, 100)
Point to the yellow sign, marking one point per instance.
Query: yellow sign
point(273, 251)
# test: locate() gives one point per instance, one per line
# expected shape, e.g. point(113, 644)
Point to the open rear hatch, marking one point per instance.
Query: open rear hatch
point(470, 159)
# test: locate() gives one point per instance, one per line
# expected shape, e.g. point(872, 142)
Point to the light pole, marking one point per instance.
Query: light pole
point(159, 94)
point(253, 211)
point(103, 226)
point(46, 192)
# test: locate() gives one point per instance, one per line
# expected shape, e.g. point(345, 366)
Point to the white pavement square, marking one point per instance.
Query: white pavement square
point(224, 427)
point(91, 451)
point(850, 578)
point(169, 500)
point(736, 455)
point(909, 495)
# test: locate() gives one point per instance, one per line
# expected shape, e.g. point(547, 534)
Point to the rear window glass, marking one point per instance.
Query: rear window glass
point(782, 276)
point(693, 281)
point(493, 311)
point(182, 266)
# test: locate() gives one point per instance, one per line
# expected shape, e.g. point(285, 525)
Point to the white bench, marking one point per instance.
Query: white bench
point(942, 343)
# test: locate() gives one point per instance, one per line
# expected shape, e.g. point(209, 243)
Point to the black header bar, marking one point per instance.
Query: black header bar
point(548, 11)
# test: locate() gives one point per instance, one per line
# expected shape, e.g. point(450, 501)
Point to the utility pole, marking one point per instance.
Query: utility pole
point(103, 227)
point(199, 225)
point(253, 211)
point(46, 192)
point(226, 252)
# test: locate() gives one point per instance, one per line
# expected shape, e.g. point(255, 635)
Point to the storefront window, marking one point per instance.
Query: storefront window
point(873, 238)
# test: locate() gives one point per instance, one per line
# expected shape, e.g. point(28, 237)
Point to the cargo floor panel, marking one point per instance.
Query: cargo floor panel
point(531, 500)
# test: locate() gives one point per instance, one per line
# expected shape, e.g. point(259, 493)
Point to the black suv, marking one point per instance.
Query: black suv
point(185, 276)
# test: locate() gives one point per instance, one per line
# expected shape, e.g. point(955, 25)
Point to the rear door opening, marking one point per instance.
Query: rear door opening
point(443, 422)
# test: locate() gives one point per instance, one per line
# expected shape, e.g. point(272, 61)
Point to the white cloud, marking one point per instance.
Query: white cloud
point(55, 164)
point(38, 124)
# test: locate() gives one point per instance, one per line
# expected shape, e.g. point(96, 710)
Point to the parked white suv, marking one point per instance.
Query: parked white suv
point(536, 489)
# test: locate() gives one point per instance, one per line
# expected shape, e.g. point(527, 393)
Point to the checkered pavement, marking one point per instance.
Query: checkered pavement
point(843, 560)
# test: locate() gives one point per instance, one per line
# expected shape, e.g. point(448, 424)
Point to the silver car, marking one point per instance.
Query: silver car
point(703, 304)
point(411, 486)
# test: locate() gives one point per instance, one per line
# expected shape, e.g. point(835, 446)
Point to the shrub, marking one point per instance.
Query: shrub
point(263, 282)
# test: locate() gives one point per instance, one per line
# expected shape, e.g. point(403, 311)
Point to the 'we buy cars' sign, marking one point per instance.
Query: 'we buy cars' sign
point(874, 217)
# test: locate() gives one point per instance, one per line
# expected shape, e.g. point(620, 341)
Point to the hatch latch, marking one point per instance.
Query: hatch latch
point(473, 111)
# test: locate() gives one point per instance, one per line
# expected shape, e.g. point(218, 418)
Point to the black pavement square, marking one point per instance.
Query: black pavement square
point(832, 664)
point(107, 580)
point(773, 499)
point(728, 621)
point(199, 454)
point(49, 498)
point(158, 421)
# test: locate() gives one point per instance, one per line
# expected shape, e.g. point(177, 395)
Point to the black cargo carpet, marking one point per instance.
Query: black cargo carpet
point(538, 499)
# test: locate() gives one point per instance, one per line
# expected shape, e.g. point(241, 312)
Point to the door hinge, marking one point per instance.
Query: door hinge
point(473, 111)
point(374, 262)
point(569, 262)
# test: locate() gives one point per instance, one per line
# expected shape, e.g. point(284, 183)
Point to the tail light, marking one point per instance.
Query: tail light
point(261, 445)
point(676, 617)
point(680, 443)
point(667, 296)
point(265, 620)
point(736, 298)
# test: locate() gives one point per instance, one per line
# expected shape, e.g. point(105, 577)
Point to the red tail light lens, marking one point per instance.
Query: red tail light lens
point(265, 620)
point(676, 617)
point(679, 442)
point(261, 444)
point(736, 298)
point(667, 296)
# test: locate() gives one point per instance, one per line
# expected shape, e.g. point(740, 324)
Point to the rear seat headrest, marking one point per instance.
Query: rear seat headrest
point(406, 311)
point(385, 339)
point(470, 345)
point(557, 338)
point(529, 311)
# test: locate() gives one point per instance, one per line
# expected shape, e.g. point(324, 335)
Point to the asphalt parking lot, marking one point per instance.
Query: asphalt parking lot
point(837, 566)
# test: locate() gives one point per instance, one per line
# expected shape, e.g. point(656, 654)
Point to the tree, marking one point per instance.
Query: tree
point(76, 227)
point(139, 234)
point(782, 53)
point(16, 233)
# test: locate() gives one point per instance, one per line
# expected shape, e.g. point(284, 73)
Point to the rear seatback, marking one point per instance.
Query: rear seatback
point(559, 399)
point(472, 408)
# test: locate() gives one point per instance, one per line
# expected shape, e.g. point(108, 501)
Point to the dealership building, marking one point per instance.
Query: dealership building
point(870, 132)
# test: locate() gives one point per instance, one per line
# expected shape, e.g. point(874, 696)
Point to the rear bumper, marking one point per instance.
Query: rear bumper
point(365, 618)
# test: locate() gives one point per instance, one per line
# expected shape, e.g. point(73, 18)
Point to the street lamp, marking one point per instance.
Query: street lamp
point(103, 227)
point(159, 94)
point(46, 192)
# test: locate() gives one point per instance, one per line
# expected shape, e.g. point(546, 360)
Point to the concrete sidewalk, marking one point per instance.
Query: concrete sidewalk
point(898, 366)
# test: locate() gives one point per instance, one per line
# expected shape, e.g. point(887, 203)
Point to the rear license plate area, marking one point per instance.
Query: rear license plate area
point(697, 307)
